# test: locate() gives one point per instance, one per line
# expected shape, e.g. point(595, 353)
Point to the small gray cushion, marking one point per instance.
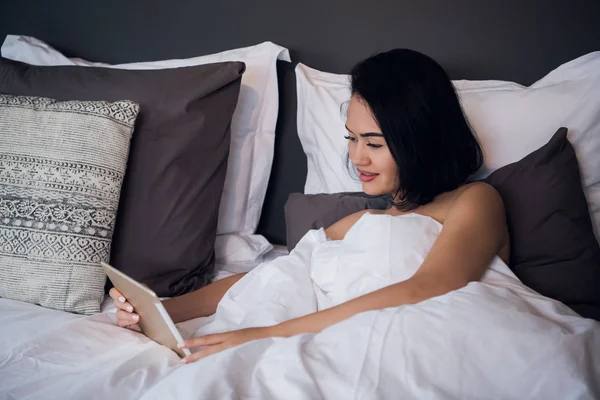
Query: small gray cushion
point(61, 168)
point(304, 212)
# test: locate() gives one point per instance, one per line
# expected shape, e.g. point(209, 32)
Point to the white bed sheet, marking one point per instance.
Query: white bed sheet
point(225, 270)
point(465, 345)
point(37, 341)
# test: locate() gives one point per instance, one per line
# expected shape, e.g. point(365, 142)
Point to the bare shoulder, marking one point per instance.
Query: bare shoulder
point(480, 204)
point(338, 230)
point(474, 202)
point(479, 195)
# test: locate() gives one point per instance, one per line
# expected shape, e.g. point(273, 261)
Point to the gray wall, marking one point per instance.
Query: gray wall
point(511, 39)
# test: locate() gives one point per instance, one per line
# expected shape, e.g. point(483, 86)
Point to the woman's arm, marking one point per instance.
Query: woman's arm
point(473, 233)
point(199, 303)
point(413, 290)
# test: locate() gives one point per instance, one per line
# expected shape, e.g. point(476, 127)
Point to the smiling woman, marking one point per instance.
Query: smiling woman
point(365, 154)
point(404, 100)
point(407, 137)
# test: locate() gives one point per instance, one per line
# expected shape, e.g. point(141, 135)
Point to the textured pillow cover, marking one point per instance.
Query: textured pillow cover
point(252, 133)
point(167, 217)
point(61, 169)
point(553, 247)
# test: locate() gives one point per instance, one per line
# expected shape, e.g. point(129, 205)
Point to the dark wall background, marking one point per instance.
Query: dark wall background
point(518, 40)
point(477, 39)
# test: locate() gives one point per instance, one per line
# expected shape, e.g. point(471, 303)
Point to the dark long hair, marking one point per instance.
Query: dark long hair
point(418, 111)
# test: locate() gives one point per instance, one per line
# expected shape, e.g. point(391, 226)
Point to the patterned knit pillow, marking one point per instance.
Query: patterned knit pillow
point(61, 168)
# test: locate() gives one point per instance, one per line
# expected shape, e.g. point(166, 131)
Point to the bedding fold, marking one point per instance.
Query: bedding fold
point(494, 338)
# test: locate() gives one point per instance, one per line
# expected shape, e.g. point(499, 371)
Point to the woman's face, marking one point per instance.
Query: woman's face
point(368, 151)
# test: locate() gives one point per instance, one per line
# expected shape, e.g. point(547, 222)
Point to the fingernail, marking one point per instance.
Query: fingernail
point(135, 317)
point(129, 308)
point(122, 299)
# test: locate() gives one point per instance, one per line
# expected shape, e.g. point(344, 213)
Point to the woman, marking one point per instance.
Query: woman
point(407, 136)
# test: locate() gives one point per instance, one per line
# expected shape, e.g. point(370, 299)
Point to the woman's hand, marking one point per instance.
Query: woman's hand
point(220, 341)
point(126, 318)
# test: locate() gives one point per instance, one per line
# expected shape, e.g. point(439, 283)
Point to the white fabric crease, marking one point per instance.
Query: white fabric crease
point(493, 339)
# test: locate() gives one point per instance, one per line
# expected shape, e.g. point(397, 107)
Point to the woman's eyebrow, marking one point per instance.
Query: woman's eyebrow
point(371, 134)
point(368, 134)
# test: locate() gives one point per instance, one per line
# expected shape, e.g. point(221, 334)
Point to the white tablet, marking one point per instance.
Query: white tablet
point(155, 322)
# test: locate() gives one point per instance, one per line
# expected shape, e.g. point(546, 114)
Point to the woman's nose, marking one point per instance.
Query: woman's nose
point(359, 156)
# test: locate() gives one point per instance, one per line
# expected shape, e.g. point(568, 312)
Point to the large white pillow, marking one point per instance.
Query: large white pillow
point(252, 134)
point(510, 120)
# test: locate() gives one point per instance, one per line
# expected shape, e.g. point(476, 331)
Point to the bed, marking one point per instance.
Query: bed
point(271, 88)
point(29, 328)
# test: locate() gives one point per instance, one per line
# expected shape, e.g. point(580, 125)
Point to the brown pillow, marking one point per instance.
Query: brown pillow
point(304, 212)
point(553, 247)
point(167, 217)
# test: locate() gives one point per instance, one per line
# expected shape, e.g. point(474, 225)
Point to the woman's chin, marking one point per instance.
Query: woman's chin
point(372, 191)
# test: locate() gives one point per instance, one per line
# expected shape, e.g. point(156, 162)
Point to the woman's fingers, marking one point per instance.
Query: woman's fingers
point(125, 318)
point(124, 306)
point(119, 300)
point(207, 340)
point(116, 295)
point(205, 352)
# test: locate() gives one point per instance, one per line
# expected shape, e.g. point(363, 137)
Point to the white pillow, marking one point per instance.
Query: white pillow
point(252, 134)
point(509, 119)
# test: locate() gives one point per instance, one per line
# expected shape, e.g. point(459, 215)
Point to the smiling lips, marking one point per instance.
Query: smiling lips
point(367, 176)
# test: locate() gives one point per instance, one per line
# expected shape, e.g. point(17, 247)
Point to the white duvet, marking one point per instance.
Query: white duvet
point(493, 339)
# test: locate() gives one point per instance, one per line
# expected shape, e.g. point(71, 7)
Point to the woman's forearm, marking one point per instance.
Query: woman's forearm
point(408, 292)
point(199, 303)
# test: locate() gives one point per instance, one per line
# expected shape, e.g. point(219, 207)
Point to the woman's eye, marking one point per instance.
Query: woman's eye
point(350, 138)
point(375, 146)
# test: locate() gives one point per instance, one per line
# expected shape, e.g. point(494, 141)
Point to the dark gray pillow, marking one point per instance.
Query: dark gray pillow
point(167, 216)
point(304, 212)
point(553, 247)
